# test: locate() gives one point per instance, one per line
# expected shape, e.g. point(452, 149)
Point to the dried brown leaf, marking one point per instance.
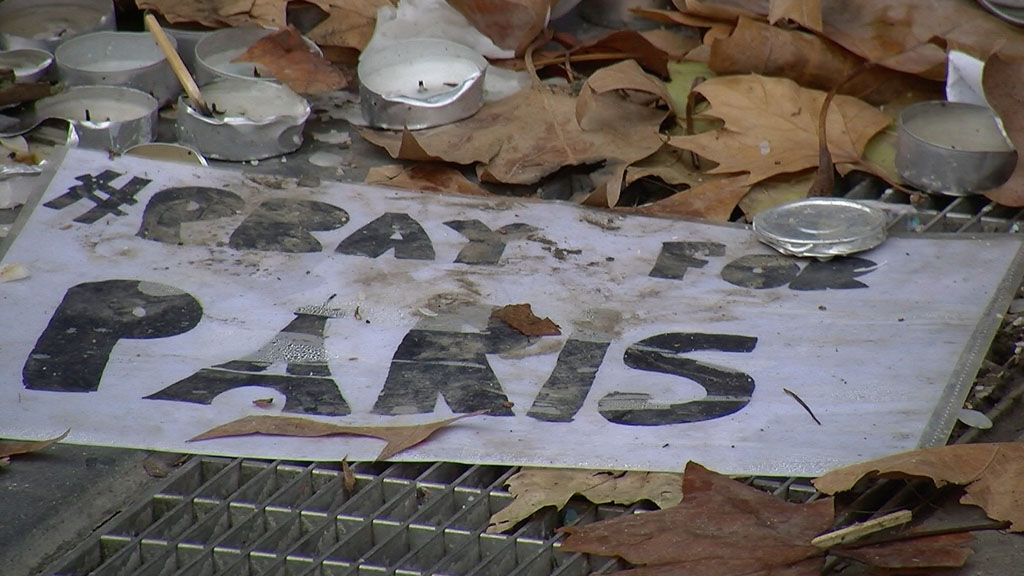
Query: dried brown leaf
point(754, 47)
point(715, 199)
point(398, 438)
point(721, 527)
point(349, 23)
point(510, 24)
point(943, 551)
point(428, 177)
point(992, 473)
point(806, 13)
point(535, 488)
point(522, 138)
point(1003, 82)
point(290, 60)
point(625, 75)
point(522, 318)
point(653, 49)
point(771, 126)
point(777, 191)
point(219, 13)
point(348, 477)
point(10, 448)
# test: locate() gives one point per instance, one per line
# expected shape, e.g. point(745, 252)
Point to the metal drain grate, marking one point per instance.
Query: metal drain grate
point(248, 517)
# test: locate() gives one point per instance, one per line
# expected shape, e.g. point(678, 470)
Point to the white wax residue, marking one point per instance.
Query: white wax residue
point(111, 52)
point(422, 79)
point(968, 129)
point(253, 100)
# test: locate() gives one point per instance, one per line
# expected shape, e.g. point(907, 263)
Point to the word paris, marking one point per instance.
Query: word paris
point(165, 301)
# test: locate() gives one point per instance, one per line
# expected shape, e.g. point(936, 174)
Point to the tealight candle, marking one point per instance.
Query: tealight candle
point(130, 59)
point(29, 64)
point(106, 117)
point(953, 148)
point(44, 24)
point(251, 120)
point(215, 54)
point(420, 83)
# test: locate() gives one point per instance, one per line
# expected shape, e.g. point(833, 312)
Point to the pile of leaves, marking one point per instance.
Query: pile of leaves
point(733, 103)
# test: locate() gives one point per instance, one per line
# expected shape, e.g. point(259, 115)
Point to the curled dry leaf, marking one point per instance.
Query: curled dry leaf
point(992, 473)
point(652, 49)
point(806, 13)
point(11, 448)
point(720, 527)
point(754, 47)
point(771, 126)
point(522, 318)
point(398, 438)
point(290, 60)
point(535, 488)
point(427, 177)
point(510, 24)
point(714, 200)
point(349, 23)
point(1003, 82)
point(522, 138)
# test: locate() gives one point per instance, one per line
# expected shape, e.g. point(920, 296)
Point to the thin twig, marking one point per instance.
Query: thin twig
point(528, 56)
point(802, 403)
point(855, 532)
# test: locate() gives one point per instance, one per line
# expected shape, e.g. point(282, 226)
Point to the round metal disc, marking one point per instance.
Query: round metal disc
point(821, 227)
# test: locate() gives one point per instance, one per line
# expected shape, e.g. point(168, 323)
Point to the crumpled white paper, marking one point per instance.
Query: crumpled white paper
point(963, 79)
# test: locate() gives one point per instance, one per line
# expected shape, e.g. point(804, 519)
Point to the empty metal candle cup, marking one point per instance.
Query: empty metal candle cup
point(421, 83)
point(252, 120)
point(106, 117)
point(953, 148)
point(45, 24)
point(129, 59)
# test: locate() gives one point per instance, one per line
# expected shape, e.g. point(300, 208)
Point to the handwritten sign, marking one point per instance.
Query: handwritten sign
point(165, 300)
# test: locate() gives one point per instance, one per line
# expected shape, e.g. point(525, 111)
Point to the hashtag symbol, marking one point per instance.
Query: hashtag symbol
point(99, 190)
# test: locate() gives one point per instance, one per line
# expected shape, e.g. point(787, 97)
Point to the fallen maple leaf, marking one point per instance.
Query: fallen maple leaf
point(720, 527)
point(398, 438)
point(806, 13)
point(713, 200)
point(426, 177)
point(522, 138)
point(754, 47)
point(535, 488)
point(349, 23)
point(1003, 82)
point(219, 13)
point(771, 126)
point(510, 24)
point(653, 49)
point(288, 59)
point(521, 318)
point(725, 528)
point(992, 473)
point(10, 448)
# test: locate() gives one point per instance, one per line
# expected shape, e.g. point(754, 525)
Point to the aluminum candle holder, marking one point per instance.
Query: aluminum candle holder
point(953, 148)
point(129, 59)
point(45, 24)
point(106, 117)
point(252, 120)
point(421, 83)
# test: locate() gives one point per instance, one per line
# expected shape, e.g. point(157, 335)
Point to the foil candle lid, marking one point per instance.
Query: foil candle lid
point(106, 117)
point(45, 24)
point(130, 59)
point(420, 83)
point(821, 227)
point(252, 120)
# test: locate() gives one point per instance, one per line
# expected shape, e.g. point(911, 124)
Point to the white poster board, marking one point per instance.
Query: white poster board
point(165, 299)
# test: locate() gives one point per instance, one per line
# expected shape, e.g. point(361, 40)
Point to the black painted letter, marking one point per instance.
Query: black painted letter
point(676, 257)
point(168, 209)
point(73, 351)
point(392, 230)
point(728, 391)
point(836, 274)
point(563, 394)
point(485, 245)
point(760, 271)
point(284, 225)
